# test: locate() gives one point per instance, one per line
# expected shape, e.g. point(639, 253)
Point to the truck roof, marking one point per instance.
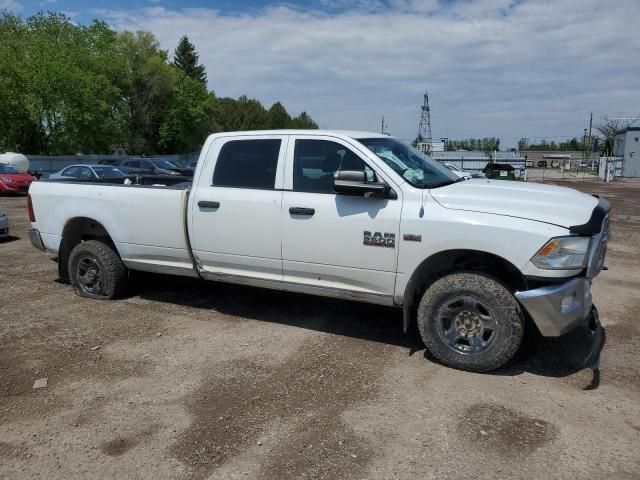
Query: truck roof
point(346, 133)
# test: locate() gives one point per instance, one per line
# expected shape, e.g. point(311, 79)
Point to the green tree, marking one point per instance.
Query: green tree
point(69, 88)
point(151, 93)
point(70, 97)
point(523, 144)
point(241, 114)
point(188, 120)
point(278, 116)
point(486, 144)
point(303, 121)
point(186, 59)
point(489, 144)
point(18, 130)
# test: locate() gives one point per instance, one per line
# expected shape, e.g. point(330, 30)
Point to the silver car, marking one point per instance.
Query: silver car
point(88, 171)
point(4, 225)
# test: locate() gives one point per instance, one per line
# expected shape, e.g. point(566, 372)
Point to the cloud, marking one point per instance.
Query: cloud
point(11, 5)
point(492, 67)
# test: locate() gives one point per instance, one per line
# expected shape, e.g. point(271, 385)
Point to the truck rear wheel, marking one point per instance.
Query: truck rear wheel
point(96, 271)
point(470, 321)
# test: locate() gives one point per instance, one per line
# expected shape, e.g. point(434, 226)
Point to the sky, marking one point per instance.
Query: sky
point(506, 68)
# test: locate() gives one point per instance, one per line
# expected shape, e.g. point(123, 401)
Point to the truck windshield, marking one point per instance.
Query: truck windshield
point(417, 168)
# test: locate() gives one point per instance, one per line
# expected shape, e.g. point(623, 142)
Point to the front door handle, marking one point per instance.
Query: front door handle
point(205, 204)
point(302, 211)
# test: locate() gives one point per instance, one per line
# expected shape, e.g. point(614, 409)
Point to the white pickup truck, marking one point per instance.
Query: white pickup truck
point(353, 215)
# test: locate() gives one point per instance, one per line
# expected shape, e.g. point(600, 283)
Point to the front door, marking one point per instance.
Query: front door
point(331, 241)
point(236, 217)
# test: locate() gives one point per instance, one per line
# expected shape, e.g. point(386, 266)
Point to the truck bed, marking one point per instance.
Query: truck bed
point(146, 222)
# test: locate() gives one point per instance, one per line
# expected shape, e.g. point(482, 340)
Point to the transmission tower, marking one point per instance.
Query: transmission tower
point(424, 129)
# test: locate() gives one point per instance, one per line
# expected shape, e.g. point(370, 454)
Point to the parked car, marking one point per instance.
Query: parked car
point(457, 172)
point(87, 172)
point(191, 167)
point(114, 162)
point(14, 181)
point(4, 225)
point(358, 216)
point(152, 166)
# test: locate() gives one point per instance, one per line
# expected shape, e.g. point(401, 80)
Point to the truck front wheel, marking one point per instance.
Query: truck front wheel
point(96, 271)
point(470, 321)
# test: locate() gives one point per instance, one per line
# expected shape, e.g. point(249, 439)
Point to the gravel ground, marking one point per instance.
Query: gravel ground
point(187, 379)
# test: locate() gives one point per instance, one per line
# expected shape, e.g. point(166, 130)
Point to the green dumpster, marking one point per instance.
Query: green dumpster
point(500, 171)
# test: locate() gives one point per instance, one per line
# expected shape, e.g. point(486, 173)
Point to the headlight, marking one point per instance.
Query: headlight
point(563, 253)
point(7, 179)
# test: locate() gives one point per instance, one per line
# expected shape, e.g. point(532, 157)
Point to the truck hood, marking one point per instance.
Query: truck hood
point(560, 206)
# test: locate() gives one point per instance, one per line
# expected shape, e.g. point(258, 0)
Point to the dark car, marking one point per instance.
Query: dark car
point(113, 162)
point(191, 167)
point(152, 166)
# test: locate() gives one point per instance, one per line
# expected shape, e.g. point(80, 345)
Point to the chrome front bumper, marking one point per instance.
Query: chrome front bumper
point(557, 309)
point(36, 239)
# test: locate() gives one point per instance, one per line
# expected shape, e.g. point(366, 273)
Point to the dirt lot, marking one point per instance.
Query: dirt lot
point(204, 380)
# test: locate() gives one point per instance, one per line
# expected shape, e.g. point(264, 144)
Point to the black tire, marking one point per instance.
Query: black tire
point(470, 321)
point(96, 271)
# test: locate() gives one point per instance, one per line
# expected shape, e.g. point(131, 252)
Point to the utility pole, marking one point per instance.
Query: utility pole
point(424, 128)
point(590, 139)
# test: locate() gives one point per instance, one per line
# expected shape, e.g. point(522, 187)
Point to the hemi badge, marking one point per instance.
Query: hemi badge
point(410, 237)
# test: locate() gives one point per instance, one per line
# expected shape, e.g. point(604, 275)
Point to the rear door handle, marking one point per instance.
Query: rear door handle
point(302, 211)
point(205, 204)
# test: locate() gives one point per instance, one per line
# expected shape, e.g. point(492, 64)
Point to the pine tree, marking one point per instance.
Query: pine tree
point(186, 59)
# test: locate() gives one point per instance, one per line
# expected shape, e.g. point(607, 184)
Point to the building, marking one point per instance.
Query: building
point(626, 145)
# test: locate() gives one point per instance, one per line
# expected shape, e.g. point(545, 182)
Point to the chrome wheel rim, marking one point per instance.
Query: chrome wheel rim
point(90, 276)
point(466, 324)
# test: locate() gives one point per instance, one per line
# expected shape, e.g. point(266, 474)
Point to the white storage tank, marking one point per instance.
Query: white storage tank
point(17, 160)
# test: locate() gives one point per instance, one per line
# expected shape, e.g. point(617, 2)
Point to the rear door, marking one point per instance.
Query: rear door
point(331, 241)
point(86, 172)
point(236, 216)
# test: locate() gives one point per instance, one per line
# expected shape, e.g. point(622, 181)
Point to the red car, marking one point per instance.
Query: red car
point(13, 181)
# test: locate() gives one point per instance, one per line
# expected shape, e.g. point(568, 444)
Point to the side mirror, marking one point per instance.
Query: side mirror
point(354, 182)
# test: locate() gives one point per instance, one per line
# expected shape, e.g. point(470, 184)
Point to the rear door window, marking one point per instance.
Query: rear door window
point(85, 172)
point(247, 164)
